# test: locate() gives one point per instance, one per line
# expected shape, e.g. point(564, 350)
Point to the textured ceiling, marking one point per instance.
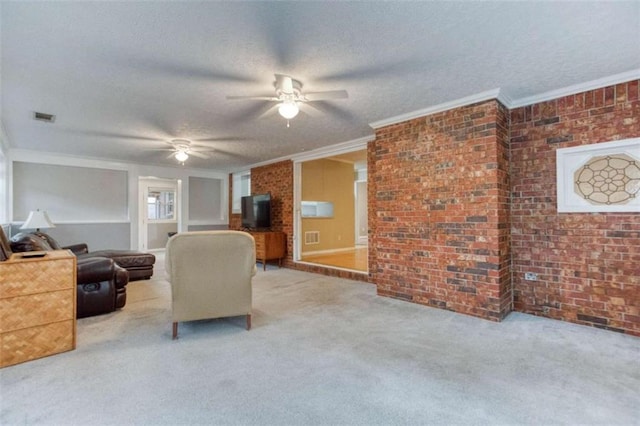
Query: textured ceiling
point(125, 77)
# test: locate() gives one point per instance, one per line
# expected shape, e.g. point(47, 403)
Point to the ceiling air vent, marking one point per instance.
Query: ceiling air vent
point(49, 118)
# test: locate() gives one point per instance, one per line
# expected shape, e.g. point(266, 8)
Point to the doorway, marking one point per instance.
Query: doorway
point(331, 211)
point(362, 225)
point(159, 210)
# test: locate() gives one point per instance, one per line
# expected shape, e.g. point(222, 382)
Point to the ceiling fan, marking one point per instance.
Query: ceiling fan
point(181, 149)
point(290, 98)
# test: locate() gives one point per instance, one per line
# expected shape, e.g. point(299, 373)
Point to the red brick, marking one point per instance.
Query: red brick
point(632, 90)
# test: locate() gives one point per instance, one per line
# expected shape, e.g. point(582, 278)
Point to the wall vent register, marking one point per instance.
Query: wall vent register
point(312, 237)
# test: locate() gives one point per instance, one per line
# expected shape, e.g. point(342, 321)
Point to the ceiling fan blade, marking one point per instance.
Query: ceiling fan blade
point(284, 83)
point(229, 154)
point(201, 149)
point(259, 98)
point(329, 94)
point(114, 135)
point(171, 155)
point(204, 146)
point(309, 109)
point(330, 108)
point(198, 154)
point(207, 141)
point(270, 111)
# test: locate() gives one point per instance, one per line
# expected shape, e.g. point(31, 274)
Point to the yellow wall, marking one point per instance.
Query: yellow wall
point(330, 180)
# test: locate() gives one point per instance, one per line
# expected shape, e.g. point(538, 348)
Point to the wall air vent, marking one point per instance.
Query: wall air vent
point(41, 116)
point(312, 237)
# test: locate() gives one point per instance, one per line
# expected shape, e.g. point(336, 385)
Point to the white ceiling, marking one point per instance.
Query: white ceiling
point(125, 77)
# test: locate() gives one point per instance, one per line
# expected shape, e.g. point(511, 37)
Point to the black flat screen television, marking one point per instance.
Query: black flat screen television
point(256, 211)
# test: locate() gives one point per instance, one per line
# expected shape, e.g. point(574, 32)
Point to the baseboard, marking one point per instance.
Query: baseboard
point(329, 251)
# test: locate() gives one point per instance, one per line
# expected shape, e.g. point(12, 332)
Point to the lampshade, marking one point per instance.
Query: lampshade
point(181, 156)
point(37, 219)
point(288, 109)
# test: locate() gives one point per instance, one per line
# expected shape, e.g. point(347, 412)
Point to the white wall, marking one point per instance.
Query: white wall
point(4, 178)
point(205, 195)
point(134, 173)
point(42, 186)
point(4, 189)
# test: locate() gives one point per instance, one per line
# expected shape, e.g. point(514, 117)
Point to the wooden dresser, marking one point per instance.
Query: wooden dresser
point(269, 245)
point(37, 306)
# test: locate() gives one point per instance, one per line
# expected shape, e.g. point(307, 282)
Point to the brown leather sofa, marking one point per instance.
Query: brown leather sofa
point(138, 264)
point(101, 283)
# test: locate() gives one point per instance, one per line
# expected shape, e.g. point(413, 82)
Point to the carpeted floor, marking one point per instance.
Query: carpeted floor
point(325, 351)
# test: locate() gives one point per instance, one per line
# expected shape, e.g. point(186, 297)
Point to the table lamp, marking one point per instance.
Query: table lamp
point(37, 219)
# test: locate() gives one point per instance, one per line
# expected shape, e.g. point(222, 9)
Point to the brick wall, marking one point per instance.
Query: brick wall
point(439, 211)
point(588, 264)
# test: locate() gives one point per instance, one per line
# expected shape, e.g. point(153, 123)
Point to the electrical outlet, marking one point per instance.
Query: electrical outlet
point(530, 276)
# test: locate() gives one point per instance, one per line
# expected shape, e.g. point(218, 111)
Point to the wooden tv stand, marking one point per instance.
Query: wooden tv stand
point(269, 245)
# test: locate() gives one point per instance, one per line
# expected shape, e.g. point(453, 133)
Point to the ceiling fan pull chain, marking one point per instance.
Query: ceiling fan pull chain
point(288, 124)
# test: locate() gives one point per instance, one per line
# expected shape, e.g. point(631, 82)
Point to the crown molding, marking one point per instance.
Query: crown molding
point(337, 149)
point(479, 97)
point(260, 164)
point(51, 158)
point(323, 152)
point(45, 157)
point(507, 101)
point(578, 88)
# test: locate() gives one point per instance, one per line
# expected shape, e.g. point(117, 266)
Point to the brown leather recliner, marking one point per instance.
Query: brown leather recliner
point(101, 283)
point(102, 286)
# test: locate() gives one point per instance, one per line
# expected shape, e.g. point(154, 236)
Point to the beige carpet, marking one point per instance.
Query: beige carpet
point(325, 351)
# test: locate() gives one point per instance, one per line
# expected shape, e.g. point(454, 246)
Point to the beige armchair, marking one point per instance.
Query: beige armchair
point(210, 274)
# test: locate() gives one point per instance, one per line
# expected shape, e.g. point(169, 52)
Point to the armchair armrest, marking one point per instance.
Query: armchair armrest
point(95, 269)
point(77, 249)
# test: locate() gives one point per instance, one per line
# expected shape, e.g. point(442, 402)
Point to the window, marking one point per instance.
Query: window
point(317, 209)
point(241, 187)
point(161, 204)
point(600, 177)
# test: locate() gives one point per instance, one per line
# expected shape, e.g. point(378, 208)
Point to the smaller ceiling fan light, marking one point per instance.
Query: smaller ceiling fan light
point(288, 110)
point(181, 156)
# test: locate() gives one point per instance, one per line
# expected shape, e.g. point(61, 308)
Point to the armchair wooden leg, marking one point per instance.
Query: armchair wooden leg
point(248, 321)
point(175, 330)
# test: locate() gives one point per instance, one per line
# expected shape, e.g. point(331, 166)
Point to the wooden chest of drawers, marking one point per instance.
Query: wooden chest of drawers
point(269, 246)
point(37, 306)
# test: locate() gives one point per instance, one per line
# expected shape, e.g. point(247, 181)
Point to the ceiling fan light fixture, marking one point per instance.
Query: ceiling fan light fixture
point(288, 110)
point(181, 156)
